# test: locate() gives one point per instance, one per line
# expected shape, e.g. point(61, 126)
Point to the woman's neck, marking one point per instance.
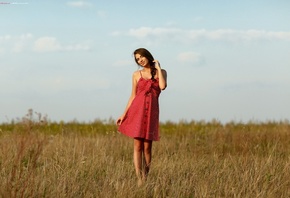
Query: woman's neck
point(146, 69)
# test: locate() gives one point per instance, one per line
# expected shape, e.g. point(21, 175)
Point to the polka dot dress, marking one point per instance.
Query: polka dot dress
point(142, 117)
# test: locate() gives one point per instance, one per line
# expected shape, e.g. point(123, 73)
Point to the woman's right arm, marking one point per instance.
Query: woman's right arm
point(133, 94)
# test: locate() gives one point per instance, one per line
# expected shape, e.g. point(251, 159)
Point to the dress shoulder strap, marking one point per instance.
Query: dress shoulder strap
point(140, 73)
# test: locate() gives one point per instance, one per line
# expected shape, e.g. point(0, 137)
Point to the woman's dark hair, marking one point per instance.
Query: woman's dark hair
point(145, 53)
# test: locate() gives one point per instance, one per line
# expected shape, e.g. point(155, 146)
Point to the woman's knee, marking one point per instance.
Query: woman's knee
point(147, 147)
point(138, 145)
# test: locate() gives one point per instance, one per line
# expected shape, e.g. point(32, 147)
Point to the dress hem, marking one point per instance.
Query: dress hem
point(131, 136)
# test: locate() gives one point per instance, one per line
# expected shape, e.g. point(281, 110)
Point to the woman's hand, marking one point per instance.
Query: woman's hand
point(162, 75)
point(120, 120)
point(157, 64)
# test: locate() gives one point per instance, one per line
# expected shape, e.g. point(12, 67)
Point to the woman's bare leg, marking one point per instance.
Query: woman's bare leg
point(147, 157)
point(138, 150)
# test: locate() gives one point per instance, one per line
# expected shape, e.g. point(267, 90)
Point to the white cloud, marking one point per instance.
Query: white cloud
point(50, 44)
point(15, 43)
point(229, 34)
point(203, 34)
point(147, 31)
point(3, 41)
point(5, 38)
point(190, 57)
point(18, 47)
point(46, 44)
point(27, 42)
point(78, 4)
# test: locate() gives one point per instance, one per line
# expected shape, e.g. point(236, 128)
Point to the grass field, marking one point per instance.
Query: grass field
point(192, 159)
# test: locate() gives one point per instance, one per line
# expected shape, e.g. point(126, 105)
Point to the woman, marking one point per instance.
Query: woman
point(140, 119)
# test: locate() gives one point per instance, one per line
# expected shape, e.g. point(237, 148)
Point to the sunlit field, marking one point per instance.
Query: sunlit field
point(192, 159)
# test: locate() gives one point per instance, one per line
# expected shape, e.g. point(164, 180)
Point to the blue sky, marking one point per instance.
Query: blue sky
point(72, 60)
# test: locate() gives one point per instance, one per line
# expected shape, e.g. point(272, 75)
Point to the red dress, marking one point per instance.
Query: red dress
point(142, 117)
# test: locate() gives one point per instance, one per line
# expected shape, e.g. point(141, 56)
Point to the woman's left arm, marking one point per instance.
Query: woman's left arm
point(162, 75)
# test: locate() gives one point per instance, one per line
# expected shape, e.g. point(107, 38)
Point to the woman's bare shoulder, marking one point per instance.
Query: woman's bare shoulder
point(137, 72)
point(136, 75)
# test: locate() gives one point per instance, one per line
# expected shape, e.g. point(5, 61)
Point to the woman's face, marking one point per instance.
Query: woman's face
point(141, 60)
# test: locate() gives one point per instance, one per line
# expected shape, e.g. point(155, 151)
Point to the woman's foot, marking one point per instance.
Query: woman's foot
point(140, 182)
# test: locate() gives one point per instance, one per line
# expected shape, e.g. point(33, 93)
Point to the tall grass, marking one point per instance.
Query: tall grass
point(192, 159)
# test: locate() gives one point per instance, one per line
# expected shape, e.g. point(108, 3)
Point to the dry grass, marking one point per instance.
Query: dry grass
point(192, 159)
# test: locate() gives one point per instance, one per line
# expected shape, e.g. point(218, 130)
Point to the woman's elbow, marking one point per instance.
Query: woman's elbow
point(163, 87)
